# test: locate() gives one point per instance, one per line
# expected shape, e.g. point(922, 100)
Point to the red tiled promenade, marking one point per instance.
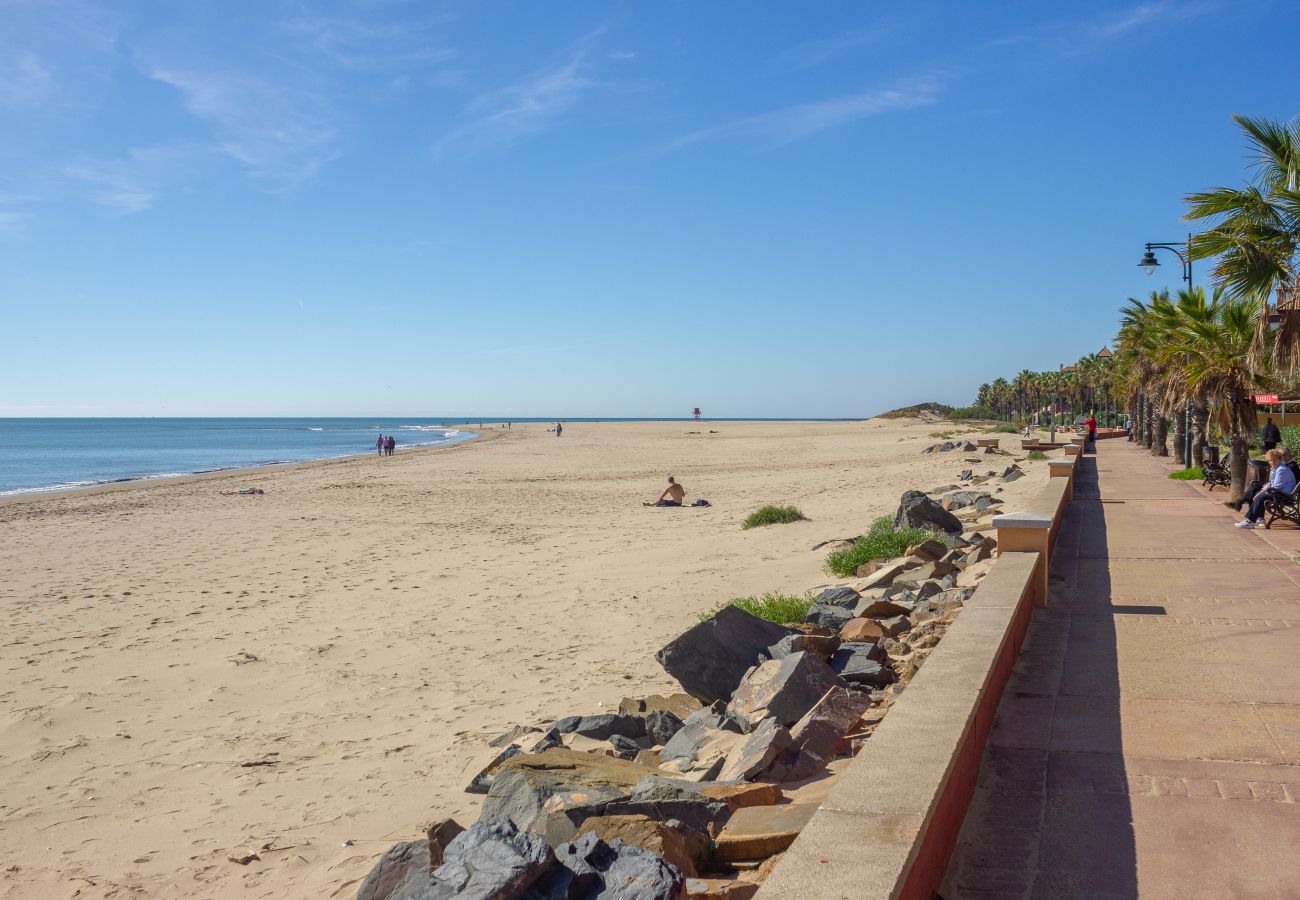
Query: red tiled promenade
point(1148, 744)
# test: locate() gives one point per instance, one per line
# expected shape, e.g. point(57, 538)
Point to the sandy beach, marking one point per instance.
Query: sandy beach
point(189, 677)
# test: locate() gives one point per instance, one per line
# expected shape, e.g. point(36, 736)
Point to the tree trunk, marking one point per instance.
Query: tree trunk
point(1148, 422)
point(1237, 466)
point(1180, 433)
point(1160, 438)
point(1241, 440)
point(1200, 417)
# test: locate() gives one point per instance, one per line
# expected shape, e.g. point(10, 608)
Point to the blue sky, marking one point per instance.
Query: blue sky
point(378, 207)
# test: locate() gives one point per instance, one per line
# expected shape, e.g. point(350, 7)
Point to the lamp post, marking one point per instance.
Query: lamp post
point(1149, 264)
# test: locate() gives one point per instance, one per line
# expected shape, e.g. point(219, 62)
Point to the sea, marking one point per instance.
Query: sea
point(40, 455)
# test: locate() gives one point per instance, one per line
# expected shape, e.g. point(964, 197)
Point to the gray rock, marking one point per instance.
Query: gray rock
point(916, 510)
point(710, 659)
point(661, 725)
point(783, 689)
point(602, 727)
point(828, 615)
point(404, 872)
point(816, 736)
point(760, 748)
point(817, 644)
point(440, 835)
point(482, 782)
point(490, 859)
point(590, 869)
point(862, 663)
point(896, 626)
point(983, 503)
point(705, 728)
point(968, 447)
point(928, 590)
point(963, 499)
point(624, 747)
point(552, 793)
point(965, 475)
point(1012, 473)
point(839, 596)
point(548, 741)
point(915, 577)
point(882, 608)
point(567, 725)
point(663, 799)
point(946, 446)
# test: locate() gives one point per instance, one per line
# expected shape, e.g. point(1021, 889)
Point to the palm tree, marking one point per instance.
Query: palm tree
point(1140, 337)
point(1255, 234)
point(1215, 349)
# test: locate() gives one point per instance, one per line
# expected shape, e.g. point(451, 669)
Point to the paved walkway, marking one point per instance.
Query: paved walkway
point(1149, 743)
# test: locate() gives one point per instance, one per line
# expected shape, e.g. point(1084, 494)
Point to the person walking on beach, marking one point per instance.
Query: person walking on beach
point(390, 445)
point(559, 429)
point(379, 445)
point(1091, 424)
point(1270, 435)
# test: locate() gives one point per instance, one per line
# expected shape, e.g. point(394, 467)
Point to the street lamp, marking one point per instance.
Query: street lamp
point(1149, 264)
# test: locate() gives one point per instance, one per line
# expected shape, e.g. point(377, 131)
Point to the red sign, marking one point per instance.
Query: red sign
point(1261, 399)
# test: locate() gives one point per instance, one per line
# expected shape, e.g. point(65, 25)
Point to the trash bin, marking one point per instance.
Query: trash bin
point(1209, 456)
point(1257, 471)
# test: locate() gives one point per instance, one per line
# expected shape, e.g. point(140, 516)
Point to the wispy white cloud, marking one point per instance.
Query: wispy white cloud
point(1073, 37)
point(132, 182)
point(794, 123)
point(12, 222)
point(1142, 15)
point(815, 52)
point(276, 131)
point(505, 115)
point(25, 82)
point(358, 44)
point(54, 54)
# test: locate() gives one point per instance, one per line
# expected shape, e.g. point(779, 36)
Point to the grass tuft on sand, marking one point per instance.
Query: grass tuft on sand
point(883, 541)
point(1036, 455)
point(783, 609)
point(1195, 474)
point(773, 515)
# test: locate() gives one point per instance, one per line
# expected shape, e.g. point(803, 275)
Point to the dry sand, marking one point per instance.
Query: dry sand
point(189, 677)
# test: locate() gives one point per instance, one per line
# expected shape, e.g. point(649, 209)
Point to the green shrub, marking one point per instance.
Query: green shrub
point(773, 515)
point(1194, 474)
point(883, 541)
point(1291, 439)
point(779, 608)
point(972, 412)
point(1006, 428)
point(1035, 455)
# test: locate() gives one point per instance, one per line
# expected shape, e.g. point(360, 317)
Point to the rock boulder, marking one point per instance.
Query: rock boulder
point(917, 510)
point(710, 659)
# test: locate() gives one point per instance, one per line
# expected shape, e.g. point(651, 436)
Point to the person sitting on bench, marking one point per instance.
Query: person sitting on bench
point(672, 495)
point(1281, 480)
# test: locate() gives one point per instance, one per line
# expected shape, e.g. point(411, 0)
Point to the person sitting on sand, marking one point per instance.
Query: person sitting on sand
point(242, 492)
point(672, 495)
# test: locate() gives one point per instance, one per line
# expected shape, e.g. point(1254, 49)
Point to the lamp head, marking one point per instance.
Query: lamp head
point(1149, 263)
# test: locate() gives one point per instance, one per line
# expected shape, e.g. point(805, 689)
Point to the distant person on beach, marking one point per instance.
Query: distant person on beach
point(379, 445)
point(1271, 436)
point(390, 445)
point(673, 495)
point(559, 429)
